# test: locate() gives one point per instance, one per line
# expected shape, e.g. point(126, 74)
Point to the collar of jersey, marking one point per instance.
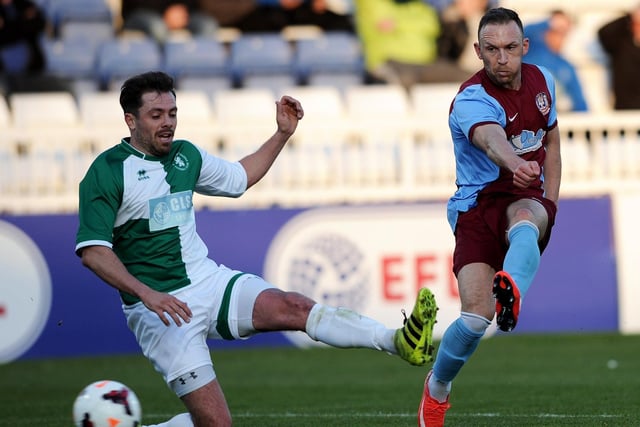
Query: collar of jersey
point(126, 145)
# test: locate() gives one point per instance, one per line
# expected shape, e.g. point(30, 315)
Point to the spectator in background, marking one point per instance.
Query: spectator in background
point(275, 15)
point(22, 23)
point(546, 41)
point(22, 62)
point(229, 13)
point(399, 40)
point(459, 21)
point(160, 18)
point(620, 39)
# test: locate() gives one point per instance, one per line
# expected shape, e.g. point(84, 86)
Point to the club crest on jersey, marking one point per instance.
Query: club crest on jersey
point(181, 162)
point(542, 102)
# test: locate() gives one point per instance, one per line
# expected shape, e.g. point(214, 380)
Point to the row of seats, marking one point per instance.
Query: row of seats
point(358, 138)
point(359, 106)
point(86, 52)
point(370, 144)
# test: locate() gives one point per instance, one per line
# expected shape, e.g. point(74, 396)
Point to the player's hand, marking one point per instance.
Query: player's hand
point(288, 113)
point(163, 304)
point(525, 174)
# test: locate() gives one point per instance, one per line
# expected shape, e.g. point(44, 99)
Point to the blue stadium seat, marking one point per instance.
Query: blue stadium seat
point(72, 58)
point(121, 58)
point(334, 59)
point(61, 11)
point(195, 56)
point(95, 32)
point(197, 63)
point(262, 60)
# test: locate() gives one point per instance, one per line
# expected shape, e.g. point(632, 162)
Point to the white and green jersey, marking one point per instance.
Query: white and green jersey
point(141, 207)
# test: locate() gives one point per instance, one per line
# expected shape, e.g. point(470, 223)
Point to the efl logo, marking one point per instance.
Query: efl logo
point(25, 292)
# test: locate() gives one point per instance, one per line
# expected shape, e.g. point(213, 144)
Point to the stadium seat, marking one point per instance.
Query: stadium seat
point(312, 156)
point(434, 159)
point(102, 118)
point(334, 58)
point(196, 119)
point(73, 58)
point(245, 118)
point(63, 11)
point(52, 141)
point(121, 58)
point(431, 103)
point(381, 122)
point(32, 110)
point(262, 60)
point(197, 63)
point(94, 32)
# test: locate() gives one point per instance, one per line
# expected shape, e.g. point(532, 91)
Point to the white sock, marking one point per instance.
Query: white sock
point(439, 390)
point(340, 327)
point(180, 420)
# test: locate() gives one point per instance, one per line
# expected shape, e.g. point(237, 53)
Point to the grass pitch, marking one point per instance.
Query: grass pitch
point(517, 380)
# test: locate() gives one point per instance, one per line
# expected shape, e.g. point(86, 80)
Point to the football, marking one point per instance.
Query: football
point(107, 404)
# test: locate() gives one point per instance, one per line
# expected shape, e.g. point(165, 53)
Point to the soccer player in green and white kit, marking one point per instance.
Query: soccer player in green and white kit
point(137, 232)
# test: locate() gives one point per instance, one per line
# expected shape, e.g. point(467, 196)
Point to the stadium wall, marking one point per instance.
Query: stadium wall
point(371, 258)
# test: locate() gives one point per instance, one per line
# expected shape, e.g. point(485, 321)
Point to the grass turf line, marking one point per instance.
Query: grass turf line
point(516, 380)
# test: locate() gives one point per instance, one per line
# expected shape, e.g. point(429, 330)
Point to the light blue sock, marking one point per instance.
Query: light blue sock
point(523, 256)
point(458, 344)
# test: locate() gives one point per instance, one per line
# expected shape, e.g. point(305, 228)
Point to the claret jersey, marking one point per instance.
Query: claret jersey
point(526, 115)
point(142, 208)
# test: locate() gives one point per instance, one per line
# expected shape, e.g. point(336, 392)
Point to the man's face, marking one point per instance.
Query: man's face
point(153, 129)
point(501, 48)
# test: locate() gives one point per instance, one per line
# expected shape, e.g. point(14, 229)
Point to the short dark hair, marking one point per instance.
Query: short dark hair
point(136, 86)
point(501, 16)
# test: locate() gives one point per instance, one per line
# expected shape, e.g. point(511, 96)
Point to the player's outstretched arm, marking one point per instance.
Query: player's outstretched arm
point(493, 141)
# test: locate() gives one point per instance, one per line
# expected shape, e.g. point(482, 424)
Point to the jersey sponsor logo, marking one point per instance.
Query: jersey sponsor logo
point(527, 141)
point(170, 211)
point(181, 162)
point(512, 118)
point(542, 102)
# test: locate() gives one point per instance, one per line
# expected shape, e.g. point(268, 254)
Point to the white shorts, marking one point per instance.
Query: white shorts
point(222, 308)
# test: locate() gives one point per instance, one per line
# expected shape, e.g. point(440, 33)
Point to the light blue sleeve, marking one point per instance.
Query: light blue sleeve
point(472, 106)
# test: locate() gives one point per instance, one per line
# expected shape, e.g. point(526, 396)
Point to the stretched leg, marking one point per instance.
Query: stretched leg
point(459, 341)
point(340, 327)
point(277, 310)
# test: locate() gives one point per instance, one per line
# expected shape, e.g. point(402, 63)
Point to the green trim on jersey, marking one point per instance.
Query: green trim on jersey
point(142, 207)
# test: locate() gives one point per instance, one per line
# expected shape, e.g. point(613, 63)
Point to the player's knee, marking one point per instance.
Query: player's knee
point(523, 214)
point(282, 310)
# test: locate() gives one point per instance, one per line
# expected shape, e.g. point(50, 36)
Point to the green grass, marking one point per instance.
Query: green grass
point(540, 380)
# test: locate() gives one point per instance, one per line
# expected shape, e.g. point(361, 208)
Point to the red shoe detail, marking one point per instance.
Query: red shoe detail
point(507, 296)
point(431, 412)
